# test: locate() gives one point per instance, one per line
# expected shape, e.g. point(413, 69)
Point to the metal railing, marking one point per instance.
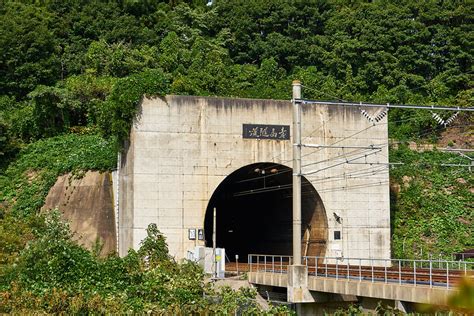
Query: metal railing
point(432, 273)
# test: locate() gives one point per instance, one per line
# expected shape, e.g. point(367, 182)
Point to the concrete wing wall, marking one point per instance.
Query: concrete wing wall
point(87, 204)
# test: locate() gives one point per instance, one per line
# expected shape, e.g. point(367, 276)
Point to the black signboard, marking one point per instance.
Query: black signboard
point(262, 131)
point(201, 234)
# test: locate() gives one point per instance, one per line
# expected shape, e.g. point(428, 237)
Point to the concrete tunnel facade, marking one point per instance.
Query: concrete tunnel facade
point(187, 155)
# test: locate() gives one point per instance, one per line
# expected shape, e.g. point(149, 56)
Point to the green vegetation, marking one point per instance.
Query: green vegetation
point(71, 279)
point(43, 269)
point(73, 72)
point(62, 62)
point(432, 205)
point(26, 182)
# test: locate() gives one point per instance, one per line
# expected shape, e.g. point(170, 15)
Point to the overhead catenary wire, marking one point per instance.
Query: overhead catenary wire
point(340, 163)
point(255, 191)
point(345, 155)
point(388, 105)
point(346, 159)
point(350, 175)
point(340, 140)
point(345, 102)
point(311, 134)
point(289, 186)
point(375, 184)
point(288, 169)
point(431, 130)
point(350, 161)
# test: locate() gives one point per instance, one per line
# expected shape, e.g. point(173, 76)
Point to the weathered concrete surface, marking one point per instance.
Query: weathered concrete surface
point(298, 285)
point(87, 204)
point(379, 290)
point(181, 148)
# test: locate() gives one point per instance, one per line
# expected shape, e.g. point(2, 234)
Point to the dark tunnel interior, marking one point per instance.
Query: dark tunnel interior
point(254, 213)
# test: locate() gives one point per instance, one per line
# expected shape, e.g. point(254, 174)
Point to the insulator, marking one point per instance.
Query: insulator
point(380, 116)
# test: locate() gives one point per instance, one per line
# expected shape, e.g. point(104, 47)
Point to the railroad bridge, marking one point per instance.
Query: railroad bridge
point(188, 155)
point(336, 282)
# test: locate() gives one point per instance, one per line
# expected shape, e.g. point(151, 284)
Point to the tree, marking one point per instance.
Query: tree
point(28, 49)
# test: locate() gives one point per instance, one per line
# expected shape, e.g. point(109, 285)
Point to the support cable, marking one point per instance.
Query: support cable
point(388, 105)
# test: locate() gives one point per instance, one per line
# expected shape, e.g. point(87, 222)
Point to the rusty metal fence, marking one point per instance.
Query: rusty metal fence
point(432, 273)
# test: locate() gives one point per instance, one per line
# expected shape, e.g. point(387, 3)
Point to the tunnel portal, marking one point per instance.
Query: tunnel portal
point(254, 213)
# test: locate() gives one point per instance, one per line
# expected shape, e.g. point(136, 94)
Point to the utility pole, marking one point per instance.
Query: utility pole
point(297, 273)
point(214, 243)
point(296, 172)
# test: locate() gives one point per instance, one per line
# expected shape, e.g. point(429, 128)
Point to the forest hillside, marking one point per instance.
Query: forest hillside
point(73, 72)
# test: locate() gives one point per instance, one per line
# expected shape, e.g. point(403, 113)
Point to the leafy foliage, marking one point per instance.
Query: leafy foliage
point(28, 48)
point(82, 67)
point(121, 107)
point(373, 51)
point(432, 212)
point(56, 275)
point(463, 300)
point(25, 183)
point(44, 270)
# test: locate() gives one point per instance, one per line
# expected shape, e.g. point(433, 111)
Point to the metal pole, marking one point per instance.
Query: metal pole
point(372, 266)
point(348, 269)
point(296, 172)
point(316, 266)
point(414, 271)
point(399, 272)
point(237, 263)
point(214, 242)
point(447, 274)
point(431, 274)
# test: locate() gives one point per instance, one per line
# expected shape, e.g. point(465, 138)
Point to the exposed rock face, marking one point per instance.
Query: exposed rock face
point(87, 204)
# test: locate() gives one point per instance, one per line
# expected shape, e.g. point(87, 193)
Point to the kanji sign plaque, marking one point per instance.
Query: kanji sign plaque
point(263, 131)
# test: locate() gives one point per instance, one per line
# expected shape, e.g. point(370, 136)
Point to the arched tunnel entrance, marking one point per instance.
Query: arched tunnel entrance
point(254, 213)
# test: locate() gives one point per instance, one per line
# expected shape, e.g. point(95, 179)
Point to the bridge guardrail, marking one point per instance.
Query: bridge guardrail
point(432, 273)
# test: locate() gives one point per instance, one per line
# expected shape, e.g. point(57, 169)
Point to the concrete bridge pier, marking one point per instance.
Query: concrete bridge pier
point(298, 291)
point(406, 307)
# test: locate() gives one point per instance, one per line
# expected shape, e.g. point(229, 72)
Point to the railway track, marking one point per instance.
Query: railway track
point(407, 275)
